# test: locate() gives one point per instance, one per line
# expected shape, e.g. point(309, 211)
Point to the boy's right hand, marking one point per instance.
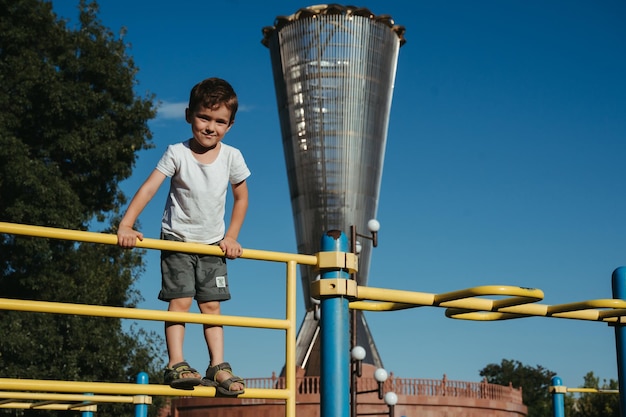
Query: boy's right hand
point(127, 237)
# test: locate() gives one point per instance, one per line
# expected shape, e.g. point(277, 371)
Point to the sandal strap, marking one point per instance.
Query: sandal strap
point(224, 366)
point(223, 387)
point(212, 371)
point(183, 366)
point(179, 369)
point(232, 380)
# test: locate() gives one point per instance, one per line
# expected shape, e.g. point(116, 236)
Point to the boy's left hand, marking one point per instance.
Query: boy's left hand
point(231, 248)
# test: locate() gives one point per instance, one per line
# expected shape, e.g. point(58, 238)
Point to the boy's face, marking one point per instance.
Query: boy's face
point(209, 125)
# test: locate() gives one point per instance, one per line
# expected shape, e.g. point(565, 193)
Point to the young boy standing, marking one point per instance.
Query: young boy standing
point(200, 170)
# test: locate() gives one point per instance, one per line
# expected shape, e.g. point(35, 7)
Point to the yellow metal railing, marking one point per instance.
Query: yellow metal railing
point(76, 402)
point(483, 303)
point(561, 389)
point(469, 304)
point(50, 387)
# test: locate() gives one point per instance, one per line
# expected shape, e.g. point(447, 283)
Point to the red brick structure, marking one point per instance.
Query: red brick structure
point(416, 397)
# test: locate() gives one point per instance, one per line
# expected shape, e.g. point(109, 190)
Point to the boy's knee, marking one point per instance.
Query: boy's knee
point(180, 304)
point(209, 307)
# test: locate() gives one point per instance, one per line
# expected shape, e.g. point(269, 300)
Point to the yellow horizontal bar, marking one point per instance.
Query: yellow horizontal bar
point(585, 311)
point(520, 294)
point(140, 314)
point(607, 310)
point(55, 386)
point(395, 296)
point(609, 303)
point(562, 389)
point(465, 305)
point(465, 314)
point(380, 305)
point(73, 397)
point(397, 299)
point(147, 243)
point(56, 407)
point(594, 390)
point(504, 313)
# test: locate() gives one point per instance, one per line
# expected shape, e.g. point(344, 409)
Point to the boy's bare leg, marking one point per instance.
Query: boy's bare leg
point(175, 332)
point(214, 336)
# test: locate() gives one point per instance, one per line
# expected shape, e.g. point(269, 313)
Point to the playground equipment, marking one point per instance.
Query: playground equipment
point(558, 391)
point(337, 293)
point(86, 403)
point(287, 324)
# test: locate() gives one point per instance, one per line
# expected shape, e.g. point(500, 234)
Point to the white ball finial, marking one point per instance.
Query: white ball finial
point(373, 225)
point(391, 398)
point(358, 353)
point(380, 375)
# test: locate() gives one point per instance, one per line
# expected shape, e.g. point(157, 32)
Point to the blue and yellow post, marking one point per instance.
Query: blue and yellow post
point(558, 397)
point(141, 410)
point(618, 282)
point(87, 413)
point(333, 289)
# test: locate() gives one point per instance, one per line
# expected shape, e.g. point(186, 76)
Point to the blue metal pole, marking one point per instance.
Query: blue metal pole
point(87, 413)
point(619, 291)
point(558, 398)
point(334, 338)
point(141, 410)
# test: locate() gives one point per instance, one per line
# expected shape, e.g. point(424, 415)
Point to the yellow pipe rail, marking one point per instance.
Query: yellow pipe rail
point(48, 406)
point(84, 398)
point(140, 314)
point(389, 300)
point(288, 324)
point(290, 342)
point(78, 402)
point(147, 243)
point(603, 310)
point(467, 304)
point(111, 388)
point(594, 390)
point(561, 389)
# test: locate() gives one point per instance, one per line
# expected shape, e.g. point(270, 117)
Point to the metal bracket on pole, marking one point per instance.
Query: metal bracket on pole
point(345, 261)
point(334, 287)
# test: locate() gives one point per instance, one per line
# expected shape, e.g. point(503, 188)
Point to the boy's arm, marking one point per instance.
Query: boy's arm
point(230, 246)
point(126, 235)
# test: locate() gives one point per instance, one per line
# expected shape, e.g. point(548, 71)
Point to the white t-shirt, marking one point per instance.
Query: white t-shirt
point(194, 210)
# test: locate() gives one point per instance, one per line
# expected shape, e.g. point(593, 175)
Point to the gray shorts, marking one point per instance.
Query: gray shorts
point(203, 277)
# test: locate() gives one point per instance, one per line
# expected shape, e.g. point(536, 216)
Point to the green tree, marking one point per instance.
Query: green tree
point(70, 128)
point(535, 383)
point(600, 404)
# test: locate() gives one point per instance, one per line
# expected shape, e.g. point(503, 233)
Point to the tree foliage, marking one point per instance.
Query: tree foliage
point(535, 383)
point(596, 404)
point(70, 129)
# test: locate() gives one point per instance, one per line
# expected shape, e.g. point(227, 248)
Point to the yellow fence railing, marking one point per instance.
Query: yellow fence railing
point(50, 388)
point(483, 303)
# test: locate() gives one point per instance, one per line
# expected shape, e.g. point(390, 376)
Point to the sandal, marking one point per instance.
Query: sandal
point(176, 376)
point(222, 387)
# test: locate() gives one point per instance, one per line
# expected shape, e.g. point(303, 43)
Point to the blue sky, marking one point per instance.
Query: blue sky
point(504, 165)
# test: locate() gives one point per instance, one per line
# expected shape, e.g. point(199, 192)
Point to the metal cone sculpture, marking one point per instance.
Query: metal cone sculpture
point(334, 69)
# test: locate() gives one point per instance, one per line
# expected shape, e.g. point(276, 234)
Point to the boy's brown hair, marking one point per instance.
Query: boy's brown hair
point(212, 93)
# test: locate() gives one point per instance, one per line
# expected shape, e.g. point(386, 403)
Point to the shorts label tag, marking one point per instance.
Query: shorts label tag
point(220, 282)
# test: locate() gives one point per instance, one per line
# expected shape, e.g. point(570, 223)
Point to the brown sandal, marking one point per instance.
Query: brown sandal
point(222, 387)
point(176, 376)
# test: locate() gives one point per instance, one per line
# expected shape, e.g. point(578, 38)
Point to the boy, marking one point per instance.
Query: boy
point(200, 169)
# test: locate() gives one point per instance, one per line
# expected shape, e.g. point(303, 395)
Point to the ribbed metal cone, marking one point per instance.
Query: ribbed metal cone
point(334, 69)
